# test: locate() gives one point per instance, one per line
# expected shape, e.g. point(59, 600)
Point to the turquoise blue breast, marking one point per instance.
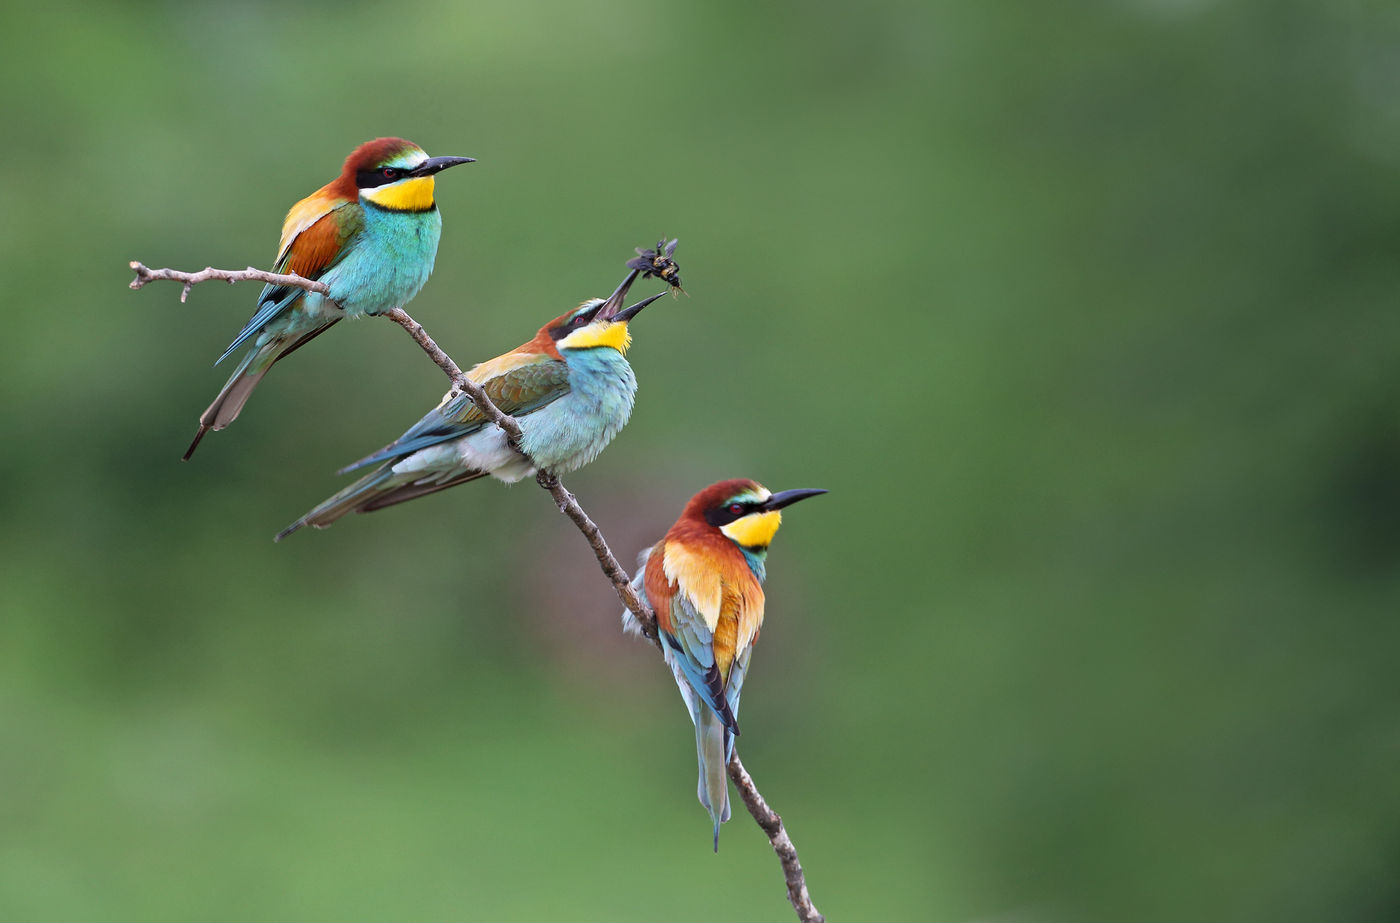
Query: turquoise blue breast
point(571, 431)
point(389, 263)
point(757, 559)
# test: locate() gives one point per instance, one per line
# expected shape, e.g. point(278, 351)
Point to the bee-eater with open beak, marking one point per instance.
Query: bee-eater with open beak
point(704, 581)
point(371, 235)
point(570, 389)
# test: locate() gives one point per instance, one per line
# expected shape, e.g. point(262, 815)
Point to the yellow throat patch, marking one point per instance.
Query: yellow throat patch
point(755, 530)
point(615, 335)
point(410, 195)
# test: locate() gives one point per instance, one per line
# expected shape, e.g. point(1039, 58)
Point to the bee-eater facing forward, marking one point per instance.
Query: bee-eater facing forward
point(371, 235)
point(704, 581)
point(570, 389)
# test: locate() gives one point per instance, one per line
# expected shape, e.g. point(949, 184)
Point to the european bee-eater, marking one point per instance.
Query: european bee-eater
point(570, 389)
point(704, 581)
point(371, 235)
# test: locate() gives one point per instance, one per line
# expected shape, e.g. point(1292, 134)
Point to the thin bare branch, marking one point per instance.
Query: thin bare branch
point(420, 336)
point(460, 381)
point(569, 506)
point(146, 275)
point(772, 825)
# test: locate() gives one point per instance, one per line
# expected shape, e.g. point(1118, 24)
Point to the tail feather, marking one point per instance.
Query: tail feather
point(713, 742)
point(231, 398)
point(249, 373)
point(366, 490)
point(414, 491)
point(374, 491)
point(195, 443)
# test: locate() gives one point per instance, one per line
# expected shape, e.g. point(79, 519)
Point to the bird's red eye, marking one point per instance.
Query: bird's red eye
point(736, 508)
point(580, 319)
point(390, 172)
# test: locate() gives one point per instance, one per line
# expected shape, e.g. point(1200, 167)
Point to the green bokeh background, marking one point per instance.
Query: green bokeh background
point(1085, 313)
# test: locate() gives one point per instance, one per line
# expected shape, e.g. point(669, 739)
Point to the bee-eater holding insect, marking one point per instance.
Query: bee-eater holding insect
point(570, 389)
point(371, 235)
point(704, 581)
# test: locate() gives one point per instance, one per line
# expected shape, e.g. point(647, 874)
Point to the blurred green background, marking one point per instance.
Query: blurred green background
point(1085, 314)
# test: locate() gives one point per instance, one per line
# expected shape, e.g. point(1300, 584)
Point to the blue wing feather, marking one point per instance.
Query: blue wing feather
point(438, 425)
point(517, 392)
point(693, 649)
point(266, 313)
point(324, 251)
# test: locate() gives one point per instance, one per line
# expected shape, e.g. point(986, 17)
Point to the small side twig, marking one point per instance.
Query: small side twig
point(146, 275)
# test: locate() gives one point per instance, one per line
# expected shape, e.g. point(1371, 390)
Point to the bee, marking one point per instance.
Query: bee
point(658, 263)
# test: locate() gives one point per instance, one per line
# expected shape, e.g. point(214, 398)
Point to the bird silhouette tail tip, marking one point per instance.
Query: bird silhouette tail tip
point(712, 743)
point(195, 444)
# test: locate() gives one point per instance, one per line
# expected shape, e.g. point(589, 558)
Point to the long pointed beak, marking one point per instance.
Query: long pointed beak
point(438, 164)
point(789, 497)
point(628, 314)
point(614, 303)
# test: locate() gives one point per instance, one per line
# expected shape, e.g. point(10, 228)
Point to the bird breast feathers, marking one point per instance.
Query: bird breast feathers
point(717, 587)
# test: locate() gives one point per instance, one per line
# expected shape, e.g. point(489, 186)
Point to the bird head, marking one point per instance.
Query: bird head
point(744, 511)
point(395, 174)
point(598, 322)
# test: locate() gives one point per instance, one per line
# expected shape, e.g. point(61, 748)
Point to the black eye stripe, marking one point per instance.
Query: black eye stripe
point(724, 515)
point(559, 331)
point(368, 179)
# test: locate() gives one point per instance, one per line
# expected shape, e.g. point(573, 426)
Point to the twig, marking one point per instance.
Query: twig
point(460, 381)
point(767, 819)
point(146, 275)
point(568, 505)
point(420, 336)
point(772, 825)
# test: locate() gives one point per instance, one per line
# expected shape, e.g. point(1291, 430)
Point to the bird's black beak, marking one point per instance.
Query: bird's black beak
point(789, 497)
point(607, 309)
point(628, 314)
point(438, 164)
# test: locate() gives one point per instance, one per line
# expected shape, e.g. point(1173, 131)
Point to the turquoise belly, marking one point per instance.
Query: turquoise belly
point(389, 264)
